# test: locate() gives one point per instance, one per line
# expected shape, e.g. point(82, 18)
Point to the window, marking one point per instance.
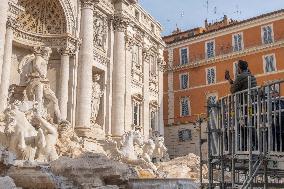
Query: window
point(211, 75)
point(153, 120)
point(153, 66)
point(212, 98)
point(184, 81)
point(235, 68)
point(136, 110)
point(238, 42)
point(269, 63)
point(135, 55)
point(184, 106)
point(210, 49)
point(183, 56)
point(184, 135)
point(152, 28)
point(267, 34)
point(137, 16)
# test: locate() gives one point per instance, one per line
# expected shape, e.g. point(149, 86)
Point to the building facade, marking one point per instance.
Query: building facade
point(197, 60)
point(105, 67)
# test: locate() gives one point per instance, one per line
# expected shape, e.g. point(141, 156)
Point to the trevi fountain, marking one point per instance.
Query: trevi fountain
point(81, 98)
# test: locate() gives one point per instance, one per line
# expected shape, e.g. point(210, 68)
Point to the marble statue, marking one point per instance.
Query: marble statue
point(160, 152)
point(128, 142)
point(38, 87)
point(148, 149)
point(20, 133)
point(68, 143)
point(96, 97)
point(46, 150)
point(25, 141)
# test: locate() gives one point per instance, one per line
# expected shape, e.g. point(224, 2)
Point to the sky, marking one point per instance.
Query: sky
point(187, 14)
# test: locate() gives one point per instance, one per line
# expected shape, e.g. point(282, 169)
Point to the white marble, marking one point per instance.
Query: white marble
point(6, 69)
point(63, 82)
point(3, 20)
point(86, 58)
point(119, 68)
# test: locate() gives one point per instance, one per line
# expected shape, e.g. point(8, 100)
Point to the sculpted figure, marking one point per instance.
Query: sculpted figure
point(68, 143)
point(160, 152)
point(47, 139)
point(148, 150)
point(99, 33)
point(96, 97)
point(127, 149)
point(21, 134)
point(38, 88)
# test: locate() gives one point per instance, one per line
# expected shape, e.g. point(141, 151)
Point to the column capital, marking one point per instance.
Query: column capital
point(120, 23)
point(66, 51)
point(89, 4)
point(129, 42)
point(11, 23)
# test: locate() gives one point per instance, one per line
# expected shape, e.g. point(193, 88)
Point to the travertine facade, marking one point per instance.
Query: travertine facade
point(112, 47)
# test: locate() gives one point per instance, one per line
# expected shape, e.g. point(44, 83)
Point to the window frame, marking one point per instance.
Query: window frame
point(153, 65)
point(180, 55)
point(206, 72)
point(139, 114)
point(234, 69)
point(206, 49)
point(264, 62)
point(180, 81)
point(135, 64)
point(212, 94)
point(262, 33)
point(242, 41)
point(188, 106)
point(181, 134)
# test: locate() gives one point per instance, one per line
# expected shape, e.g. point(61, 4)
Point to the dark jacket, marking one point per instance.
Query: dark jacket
point(241, 82)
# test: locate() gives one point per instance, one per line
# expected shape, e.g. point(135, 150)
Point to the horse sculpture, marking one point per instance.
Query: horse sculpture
point(20, 132)
point(128, 142)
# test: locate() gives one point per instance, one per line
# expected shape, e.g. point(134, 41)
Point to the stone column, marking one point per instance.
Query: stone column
point(128, 79)
point(86, 59)
point(64, 82)
point(6, 67)
point(161, 96)
point(146, 93)
point(119, 71)
point(4, 14)
point(109, 78)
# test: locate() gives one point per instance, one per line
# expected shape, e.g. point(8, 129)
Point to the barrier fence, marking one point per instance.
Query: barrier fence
point(246, 138)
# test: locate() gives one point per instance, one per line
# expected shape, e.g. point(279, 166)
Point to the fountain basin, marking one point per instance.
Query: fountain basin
point(162, 184)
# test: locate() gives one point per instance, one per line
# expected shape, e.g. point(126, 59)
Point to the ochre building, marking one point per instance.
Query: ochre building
point(196, 63)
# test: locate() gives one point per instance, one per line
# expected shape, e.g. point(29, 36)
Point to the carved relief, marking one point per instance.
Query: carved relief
point(42, 17)
point(100, 30)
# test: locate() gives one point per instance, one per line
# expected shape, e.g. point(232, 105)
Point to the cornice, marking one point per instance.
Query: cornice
point(229, 30)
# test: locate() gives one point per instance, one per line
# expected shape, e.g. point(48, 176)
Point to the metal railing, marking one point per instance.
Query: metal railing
point(246, 136)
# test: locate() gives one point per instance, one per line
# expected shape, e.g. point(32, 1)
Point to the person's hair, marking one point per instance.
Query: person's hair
point(243, 65)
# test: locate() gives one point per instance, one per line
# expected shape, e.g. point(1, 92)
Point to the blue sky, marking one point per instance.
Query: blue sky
point(188, 14)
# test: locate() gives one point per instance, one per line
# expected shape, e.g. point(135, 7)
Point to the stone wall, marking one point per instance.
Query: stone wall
point(177, 148)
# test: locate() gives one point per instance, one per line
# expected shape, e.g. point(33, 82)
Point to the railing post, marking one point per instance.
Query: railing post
point(250, 126)
point(210, 171)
